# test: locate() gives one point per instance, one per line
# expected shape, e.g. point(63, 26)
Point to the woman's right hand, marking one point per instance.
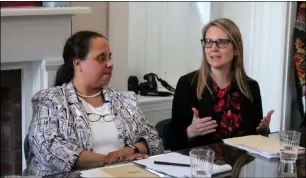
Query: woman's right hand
point(200, 126)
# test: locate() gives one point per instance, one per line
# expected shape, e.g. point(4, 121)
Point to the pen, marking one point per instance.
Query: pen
point(171, 164)
point(150, 169)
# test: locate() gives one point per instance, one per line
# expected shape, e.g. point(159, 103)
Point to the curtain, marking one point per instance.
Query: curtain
point(299, 56)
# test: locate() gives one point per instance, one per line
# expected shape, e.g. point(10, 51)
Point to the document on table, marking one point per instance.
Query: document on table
point(176, 171)
point(124, 170)
point(258, 144)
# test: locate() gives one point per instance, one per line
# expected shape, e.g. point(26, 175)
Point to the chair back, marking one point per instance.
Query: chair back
point(26, 147)
point(303, 136)
point(163, 129)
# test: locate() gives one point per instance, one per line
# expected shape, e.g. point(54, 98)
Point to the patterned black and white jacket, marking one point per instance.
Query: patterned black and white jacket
point(59, 129)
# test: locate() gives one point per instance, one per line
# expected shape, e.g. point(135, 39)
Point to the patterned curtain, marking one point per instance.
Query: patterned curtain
point(299, 55)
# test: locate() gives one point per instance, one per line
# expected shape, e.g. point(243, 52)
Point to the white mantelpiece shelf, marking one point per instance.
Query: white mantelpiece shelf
point(43, 11)
point(36, 33)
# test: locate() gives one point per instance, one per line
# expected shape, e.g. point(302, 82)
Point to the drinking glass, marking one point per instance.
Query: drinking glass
point(289, 142)
point(287, 170)
point(201, 162)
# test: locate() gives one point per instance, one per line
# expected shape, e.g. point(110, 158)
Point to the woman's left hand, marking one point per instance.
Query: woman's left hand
point(118, 155)
point(124, 154)
point(263, 127)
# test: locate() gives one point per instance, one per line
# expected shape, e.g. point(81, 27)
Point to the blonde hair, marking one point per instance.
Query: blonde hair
point(240, 76)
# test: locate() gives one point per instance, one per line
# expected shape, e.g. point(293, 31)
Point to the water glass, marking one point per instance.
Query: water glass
point(289, 142)
point(201, 162)
point(287, 170)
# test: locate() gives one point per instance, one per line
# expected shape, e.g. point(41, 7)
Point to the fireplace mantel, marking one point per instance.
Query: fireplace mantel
point(35, 33)
point(43, 11)
point(32, 40)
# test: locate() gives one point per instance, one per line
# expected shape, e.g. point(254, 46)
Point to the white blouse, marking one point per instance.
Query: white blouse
point(104, 134)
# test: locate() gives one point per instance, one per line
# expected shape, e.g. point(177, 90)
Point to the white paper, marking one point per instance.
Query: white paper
point(98, 172)
point(254, 151)
point(257, 144)
point(176, 171)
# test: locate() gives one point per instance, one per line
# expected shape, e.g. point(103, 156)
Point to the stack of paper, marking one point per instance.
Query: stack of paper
point(258, 144)
point(176, 171)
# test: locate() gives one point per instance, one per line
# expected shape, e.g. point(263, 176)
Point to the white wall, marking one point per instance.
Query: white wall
point(163, 37)
point(234, 11)
point(159, 37)
point(97, 20)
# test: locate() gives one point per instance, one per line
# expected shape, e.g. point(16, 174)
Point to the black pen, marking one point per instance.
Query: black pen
point(171, 164)
point(149, 169)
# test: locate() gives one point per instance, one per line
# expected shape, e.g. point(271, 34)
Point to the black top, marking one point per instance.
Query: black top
point(185, 98)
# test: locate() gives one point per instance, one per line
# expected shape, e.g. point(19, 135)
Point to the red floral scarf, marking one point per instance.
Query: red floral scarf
point(227, 108)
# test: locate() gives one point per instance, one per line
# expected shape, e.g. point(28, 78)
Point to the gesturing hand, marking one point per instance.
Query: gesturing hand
point(263, 127)
point(200, 126)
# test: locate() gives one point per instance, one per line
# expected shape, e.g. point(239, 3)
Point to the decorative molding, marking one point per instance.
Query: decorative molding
point(42, 11)
point(31, 40)
point(35, 39)
point(53, 64)
point(27, 84)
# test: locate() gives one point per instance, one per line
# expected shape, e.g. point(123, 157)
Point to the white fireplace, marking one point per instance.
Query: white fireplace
point(32, 40)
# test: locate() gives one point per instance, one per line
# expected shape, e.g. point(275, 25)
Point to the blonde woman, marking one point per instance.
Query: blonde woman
point(219, 100)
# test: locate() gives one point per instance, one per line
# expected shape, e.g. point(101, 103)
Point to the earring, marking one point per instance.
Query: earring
point(235, 54)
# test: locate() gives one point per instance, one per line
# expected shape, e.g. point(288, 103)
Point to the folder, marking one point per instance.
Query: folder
point(124, 170)
point(258, 144)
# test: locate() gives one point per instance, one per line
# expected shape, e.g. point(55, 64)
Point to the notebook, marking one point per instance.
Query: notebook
point(124, 170)
point(258, 144)
point(176, 171)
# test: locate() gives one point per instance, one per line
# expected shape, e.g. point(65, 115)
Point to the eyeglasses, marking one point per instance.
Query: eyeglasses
point(221, 43)
point(95, 117)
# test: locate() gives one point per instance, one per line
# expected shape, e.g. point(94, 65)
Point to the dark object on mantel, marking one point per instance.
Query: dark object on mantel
point(149, 87)
point(133, 84)
point(21, 4)
point(56, 3)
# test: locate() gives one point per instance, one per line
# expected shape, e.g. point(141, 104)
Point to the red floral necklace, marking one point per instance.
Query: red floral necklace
point(227, 106)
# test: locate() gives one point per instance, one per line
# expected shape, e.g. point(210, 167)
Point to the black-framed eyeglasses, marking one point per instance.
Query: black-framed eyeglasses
point(95, 117)
point(221, 43)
